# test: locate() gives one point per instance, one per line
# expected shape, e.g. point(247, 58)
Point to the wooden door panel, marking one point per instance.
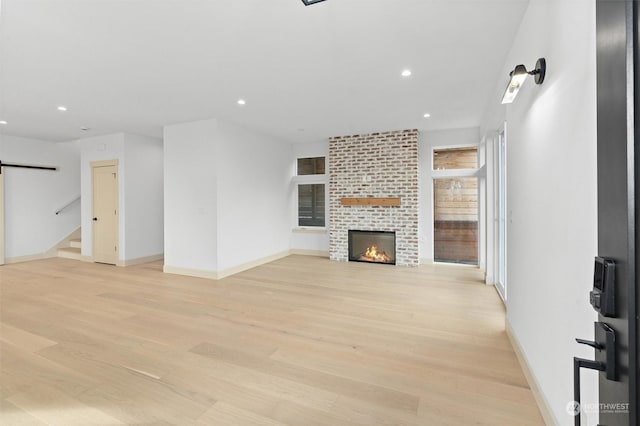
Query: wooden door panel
point(105, 214)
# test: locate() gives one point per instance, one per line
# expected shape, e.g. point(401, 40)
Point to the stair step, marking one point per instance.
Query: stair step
point(76, 243)
point(70, 253)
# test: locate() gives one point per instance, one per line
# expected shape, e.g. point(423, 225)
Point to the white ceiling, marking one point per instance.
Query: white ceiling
point(306, 73)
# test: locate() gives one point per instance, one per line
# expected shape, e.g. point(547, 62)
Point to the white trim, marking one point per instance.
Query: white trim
point(198, 273)
point(141, 260)
point(456, 146)
point(104, 163)
point(543, 404)
point(319, 179)
point(27, 258)
point(457, 173)
point(252, 264)
point(504, 302)
point(501, 262)
point(52, 252)
point(310, 230)
point(218, 275)
point(307, 179)
point(307, 252)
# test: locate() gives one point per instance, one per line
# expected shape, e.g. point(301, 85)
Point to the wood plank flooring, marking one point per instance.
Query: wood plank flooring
point(300, 341)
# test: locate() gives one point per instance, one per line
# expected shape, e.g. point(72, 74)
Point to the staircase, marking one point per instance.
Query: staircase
point(73, 251)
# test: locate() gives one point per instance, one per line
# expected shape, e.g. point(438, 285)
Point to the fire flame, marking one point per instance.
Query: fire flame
point(373, 255)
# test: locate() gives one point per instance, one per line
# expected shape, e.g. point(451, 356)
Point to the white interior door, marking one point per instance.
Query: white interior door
point(105, 213)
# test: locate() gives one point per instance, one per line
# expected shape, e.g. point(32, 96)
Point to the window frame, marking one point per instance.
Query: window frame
point(478, 173)
point(454, 173)
point(315, 179)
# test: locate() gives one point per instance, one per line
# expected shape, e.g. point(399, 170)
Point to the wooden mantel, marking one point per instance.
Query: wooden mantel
point(370, 201)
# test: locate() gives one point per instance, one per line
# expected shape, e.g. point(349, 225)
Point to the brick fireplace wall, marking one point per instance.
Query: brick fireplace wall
point(374, 165)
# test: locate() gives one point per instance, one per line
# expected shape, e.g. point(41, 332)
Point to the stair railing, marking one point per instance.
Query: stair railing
point(75, 200)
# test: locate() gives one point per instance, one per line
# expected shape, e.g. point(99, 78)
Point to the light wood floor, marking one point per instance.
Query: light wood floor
point(300, 341)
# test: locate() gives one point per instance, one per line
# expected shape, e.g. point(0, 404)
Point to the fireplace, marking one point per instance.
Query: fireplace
point(372, 246)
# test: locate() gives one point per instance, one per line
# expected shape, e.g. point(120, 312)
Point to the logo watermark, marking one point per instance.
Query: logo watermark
point(574, 408)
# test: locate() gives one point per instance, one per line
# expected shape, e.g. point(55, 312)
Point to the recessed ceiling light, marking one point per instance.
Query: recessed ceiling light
point(62, 108)
point(3, 122)
point(406, 73)
point(242, 102)
point(427, 115)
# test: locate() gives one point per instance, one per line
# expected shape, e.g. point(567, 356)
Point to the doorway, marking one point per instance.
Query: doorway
point(455, 205)
point(105, 211)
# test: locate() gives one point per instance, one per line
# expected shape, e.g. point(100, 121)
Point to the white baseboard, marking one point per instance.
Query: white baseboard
point(305, 252)
point(140, 260)
point(425, 261)
point(243, 267)
point(198, 273)
point(218, 275)
point(52, 252)
point(28, 258)
point(543, 404)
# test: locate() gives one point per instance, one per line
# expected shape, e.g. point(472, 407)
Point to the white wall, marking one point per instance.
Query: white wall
point(144, 194)
point(226, 202)
point(305, 240)
point(426, 142)
point(253, 203)
point(33, 196)
point(190, 196)
point(108, 147)
point(551, 177)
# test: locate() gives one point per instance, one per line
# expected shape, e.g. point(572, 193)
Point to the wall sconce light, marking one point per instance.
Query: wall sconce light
point(518, 76)
point(310, 2)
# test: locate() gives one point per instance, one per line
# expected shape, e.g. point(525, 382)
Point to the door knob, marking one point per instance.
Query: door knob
point(95, 219)
point(605, 342)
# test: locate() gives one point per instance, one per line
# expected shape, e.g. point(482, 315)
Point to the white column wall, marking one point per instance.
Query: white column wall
point(253, 203)
point(190, 197)
point(226, 204)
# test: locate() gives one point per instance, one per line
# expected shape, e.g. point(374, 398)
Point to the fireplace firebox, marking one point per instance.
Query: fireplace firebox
point(372, 246)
